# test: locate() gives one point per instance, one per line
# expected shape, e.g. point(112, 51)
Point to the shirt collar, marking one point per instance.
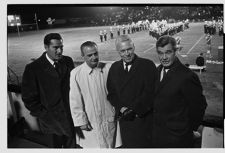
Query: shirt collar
point(89, 70)
point(49, 59)
point(124, 64)
point(165, 69)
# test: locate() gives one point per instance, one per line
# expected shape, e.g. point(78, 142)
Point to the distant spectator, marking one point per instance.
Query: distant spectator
point(111, 33)
point(187, 65)
point(101, 35)
point(105, 35)
point(178, 40)
point(208, 42)
point(118, 30)
point(124, 29)
point(200, 61)
point(50, 22)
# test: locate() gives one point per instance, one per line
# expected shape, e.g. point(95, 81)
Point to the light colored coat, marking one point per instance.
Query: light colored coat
point(88, 103)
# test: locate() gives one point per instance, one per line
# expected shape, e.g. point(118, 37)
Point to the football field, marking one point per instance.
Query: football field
point(30, 45)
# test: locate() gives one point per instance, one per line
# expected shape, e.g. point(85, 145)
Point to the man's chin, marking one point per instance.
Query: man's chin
point(94, 64)
point(127, 60)
point(58, 57)
point(166, 64)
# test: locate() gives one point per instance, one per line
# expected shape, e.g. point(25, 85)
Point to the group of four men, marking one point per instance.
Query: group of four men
point(126, 104)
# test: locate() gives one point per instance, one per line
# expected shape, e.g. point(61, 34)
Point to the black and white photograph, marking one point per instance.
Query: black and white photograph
point(113, 75)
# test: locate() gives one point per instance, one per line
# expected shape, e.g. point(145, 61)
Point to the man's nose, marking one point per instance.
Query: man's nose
point(126, 52)
point(59, 50)
point(164, 56)
point(93, 56)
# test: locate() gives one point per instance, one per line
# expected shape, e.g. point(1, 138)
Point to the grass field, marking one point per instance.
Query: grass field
point(30, 45)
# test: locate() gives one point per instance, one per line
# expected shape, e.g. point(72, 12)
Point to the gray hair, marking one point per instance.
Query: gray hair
point(122, 38)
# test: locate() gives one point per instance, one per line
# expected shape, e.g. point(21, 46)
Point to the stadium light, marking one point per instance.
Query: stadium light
point(14, 20)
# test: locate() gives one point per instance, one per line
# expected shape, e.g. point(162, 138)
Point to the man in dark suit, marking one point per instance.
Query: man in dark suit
point(45, 92)
point(130, 87)
point(179, 104)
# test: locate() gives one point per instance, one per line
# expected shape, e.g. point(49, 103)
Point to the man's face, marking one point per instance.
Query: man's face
point(126, 51)
point(166, 55)
point(55, 49)
point(91, 56)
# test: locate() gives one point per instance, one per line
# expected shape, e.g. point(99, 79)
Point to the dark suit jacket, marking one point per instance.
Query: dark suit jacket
point(179, 107)
point(46, 94)
point(134, 90)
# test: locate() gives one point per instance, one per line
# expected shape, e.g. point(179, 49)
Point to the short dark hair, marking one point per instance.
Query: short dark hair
point(164, 40)
point(51, 36)
point(87, 44)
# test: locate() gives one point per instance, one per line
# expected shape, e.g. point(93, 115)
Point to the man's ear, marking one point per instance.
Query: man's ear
point(82, 54)
point(46, 47)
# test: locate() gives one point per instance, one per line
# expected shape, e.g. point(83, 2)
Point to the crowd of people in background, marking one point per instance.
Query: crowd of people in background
point(211, 26)
point(117, 30)
point(156, 28)
point(160, 28)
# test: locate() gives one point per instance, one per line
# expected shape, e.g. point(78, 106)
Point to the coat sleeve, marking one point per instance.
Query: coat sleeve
point(112, 93)
point(192, 91)
point(77, 109)
point(31, 94)
point(144, 103)
point(70, 63)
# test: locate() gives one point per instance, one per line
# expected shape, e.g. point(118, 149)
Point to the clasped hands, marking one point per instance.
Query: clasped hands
point(127, 114)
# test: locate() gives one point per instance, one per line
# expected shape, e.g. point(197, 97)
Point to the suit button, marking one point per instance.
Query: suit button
point(154, 111)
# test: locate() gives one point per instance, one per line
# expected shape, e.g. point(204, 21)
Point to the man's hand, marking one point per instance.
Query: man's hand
point(86, 127)
point(128, 115)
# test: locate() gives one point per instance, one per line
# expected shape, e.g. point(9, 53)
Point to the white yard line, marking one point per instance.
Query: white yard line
point(218, 85)
point(195, 44)
point(149, 49)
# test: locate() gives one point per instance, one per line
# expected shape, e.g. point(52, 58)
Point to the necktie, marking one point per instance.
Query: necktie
point(56, 65)
point(164, 74)
point(126, 67)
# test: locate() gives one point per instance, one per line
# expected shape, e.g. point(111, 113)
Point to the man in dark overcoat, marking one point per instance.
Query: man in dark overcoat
point(45, 92)
point(130, 87)
point(179, 103)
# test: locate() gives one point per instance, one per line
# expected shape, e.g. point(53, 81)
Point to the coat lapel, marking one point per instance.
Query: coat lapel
point(121, 73)
point(169, 75)
point(131, 73)
point(63, 68)
point(159, 69)
point(48, 67)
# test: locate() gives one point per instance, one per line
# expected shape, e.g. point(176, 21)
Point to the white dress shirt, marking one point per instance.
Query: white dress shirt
point(49, 59)
point(161, 74)
point(124, 66)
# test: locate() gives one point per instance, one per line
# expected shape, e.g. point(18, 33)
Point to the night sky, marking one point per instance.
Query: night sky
point(62, 11)
point(58, 11)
